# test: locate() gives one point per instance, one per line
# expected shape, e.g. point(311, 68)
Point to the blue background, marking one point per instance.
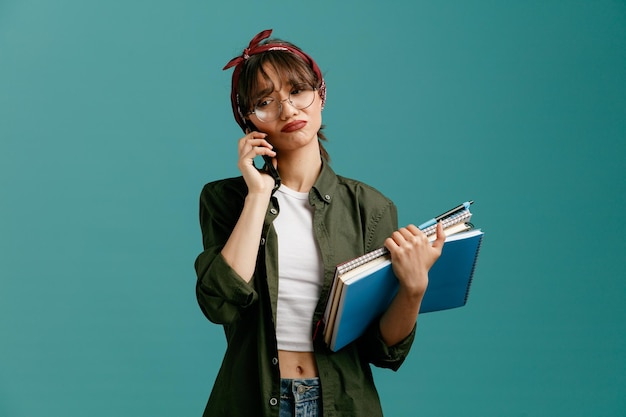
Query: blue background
point(114, 114)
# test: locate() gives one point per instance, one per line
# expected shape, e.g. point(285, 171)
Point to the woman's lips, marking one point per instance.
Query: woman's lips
point(293, 126)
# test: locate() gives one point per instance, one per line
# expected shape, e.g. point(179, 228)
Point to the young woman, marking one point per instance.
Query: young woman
point(270, 253)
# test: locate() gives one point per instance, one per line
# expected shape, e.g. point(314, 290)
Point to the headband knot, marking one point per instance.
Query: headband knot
point(250, 50)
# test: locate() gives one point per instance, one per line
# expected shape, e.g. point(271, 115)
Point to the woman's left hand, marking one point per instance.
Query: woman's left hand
point(412, 257)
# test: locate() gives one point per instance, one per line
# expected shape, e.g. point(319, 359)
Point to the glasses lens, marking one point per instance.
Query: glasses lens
point(300, 97)
point(267, 109)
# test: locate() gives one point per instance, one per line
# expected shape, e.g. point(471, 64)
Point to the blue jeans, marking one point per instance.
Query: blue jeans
point(300, 398)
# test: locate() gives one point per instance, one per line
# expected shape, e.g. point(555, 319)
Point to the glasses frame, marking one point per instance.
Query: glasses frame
point(280, 105)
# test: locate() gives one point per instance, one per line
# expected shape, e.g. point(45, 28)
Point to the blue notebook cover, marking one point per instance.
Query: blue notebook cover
point(366, 297)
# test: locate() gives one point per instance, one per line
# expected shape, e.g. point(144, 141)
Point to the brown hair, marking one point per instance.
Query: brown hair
point(288, 66)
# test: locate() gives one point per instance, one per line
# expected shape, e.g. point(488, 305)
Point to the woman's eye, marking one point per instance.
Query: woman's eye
point(298, 89)
point(264, 103)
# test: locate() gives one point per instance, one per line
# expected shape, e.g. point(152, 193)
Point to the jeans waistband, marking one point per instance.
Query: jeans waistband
point(304, 389)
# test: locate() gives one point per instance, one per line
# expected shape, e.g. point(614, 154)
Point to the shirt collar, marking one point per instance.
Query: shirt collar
point(326, 183)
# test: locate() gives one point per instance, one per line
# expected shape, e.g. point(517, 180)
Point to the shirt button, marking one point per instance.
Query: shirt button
point(262, 241)
point(274, 361)
point(273, 401)
point(273, 211)
point(327, 197)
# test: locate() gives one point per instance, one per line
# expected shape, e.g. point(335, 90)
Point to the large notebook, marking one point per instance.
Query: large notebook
point(364, 287)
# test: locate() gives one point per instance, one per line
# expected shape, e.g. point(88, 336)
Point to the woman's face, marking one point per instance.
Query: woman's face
point(294, 129)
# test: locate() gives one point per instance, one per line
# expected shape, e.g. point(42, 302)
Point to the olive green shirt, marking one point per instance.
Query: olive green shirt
point(350, 219)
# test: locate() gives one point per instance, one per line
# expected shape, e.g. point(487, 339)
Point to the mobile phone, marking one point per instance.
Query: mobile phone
point(271, 170)
point(268, 167)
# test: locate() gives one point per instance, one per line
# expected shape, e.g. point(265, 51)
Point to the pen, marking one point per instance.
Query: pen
point(448, 213)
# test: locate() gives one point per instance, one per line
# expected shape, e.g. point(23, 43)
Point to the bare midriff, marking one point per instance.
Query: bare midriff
point(297, 364)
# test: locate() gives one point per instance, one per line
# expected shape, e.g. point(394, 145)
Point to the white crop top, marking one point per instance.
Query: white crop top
point(300, 271)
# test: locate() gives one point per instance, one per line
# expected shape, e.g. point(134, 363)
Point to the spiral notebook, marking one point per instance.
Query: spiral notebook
point(364, 287)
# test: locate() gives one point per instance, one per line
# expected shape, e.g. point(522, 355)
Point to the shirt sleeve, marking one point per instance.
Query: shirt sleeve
point(373, 347)
point(222, 294)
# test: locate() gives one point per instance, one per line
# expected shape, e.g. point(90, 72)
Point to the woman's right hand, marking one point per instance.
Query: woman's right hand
point(242, 247)
point(253, 144)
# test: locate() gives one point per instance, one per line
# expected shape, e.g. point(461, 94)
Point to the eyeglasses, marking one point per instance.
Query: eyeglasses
point(268, 109)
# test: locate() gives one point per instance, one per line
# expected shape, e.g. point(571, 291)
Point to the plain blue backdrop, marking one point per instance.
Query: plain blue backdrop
point(113, 114)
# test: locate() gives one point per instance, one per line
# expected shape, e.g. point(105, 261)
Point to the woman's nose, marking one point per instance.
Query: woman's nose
point(287, 110)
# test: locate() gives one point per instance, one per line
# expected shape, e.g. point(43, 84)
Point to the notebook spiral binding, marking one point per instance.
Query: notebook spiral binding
point(449, 221)
point(469, 285)
point(347, 266)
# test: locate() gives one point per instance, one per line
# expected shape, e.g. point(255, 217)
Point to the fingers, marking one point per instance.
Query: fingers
point(253, 139)
point(407, 237)
point(250, 146)
point(412, 237)
point(255, 144)
point(441, 238)
point(411, 233)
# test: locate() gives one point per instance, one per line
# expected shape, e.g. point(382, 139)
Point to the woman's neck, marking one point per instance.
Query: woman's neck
point(299, 170)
